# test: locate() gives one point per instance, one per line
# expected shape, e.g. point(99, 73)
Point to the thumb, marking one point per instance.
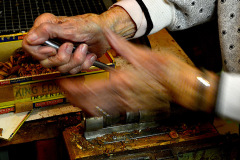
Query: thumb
point(43, 32)
point(136, 55)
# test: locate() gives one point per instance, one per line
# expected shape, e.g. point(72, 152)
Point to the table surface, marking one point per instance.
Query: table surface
point(161, 42)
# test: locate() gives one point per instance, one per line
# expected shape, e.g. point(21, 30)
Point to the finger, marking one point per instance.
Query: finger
point(47, 30)
point(75, 70)
point(38, 52)
point(91, 57)
point(135, 55)
point(38, 35)
point(46, 17)
point(80, 95)
point(62, 57)
point(79, 60)
point(141, 57)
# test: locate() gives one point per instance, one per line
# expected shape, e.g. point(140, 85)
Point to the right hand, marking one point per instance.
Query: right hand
point(155, 79)
point(85, 29)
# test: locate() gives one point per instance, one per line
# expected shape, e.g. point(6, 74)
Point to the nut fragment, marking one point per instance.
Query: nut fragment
point(20, 65)
point(14, 69)
point(1, 64)
point(8, 64)
point(3, 73)
point(1, 77)
point(11, 59)
point(1, 130)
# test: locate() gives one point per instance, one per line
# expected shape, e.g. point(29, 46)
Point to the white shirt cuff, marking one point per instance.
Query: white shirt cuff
point(161, 13)
point(228, 100)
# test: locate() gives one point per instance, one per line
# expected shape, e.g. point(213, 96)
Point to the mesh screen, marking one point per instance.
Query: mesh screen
point(18, 15)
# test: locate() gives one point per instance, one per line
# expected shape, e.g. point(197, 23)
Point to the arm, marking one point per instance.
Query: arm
point(155, 79)
point(85, 29)
point(151, 16)
point(185, 84)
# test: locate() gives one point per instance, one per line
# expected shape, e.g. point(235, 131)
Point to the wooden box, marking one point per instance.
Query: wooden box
point(24, 93)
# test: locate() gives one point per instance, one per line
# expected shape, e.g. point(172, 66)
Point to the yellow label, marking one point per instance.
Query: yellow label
point(47, 97)
point(35, 89)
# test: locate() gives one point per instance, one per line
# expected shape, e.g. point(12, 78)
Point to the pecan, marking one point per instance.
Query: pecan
point(9, 64)
point(34, 71)
point(1, 64)
point(21, 64)
point(3, 73)
point(14, 69)
point(11, 59)
point(1, 77)
point(22, 71)
point(1, 130)
point(5, 69)
point(6, 65)
point(11, 76)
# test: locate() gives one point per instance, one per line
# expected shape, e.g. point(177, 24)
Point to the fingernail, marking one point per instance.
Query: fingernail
point(32, 37)
point(69, 48)
point(93, 58)
point(84, 48)
point(53, 53)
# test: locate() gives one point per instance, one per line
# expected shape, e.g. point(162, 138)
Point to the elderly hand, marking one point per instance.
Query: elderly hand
point(85, 30)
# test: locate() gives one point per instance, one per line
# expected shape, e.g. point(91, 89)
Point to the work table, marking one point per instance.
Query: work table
point(50, 122)
point(33, 129)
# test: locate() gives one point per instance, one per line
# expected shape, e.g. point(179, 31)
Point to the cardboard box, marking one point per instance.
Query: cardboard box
point(24, 93)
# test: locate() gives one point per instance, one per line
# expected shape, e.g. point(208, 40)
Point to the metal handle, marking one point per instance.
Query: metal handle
point(95, 63)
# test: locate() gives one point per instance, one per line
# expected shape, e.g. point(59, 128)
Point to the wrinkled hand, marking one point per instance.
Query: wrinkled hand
point(85, 29)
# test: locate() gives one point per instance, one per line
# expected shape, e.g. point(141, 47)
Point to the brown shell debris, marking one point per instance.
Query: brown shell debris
point(21, 64)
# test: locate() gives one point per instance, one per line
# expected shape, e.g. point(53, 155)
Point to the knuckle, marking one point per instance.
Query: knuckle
point(70, 32)
point(62, 69)
point(45, 27)
point(86, 65)
point(62, 58)
point(78, 59)
point(75, 70)
point(44, 17)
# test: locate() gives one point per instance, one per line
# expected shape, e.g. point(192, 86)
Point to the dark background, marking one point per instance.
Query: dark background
point(201, 44)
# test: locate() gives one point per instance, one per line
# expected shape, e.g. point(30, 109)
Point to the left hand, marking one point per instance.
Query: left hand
point(85, 29)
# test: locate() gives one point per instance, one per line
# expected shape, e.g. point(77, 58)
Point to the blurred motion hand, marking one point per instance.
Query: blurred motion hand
point(155, 79)
point(126, 90)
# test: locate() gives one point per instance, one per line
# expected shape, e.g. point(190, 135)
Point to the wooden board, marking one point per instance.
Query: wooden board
point(163, 42)
point(78, 147)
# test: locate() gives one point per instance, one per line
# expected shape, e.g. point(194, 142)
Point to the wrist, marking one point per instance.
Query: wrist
point(209, 92)
point(190, 87)
point(119, 21)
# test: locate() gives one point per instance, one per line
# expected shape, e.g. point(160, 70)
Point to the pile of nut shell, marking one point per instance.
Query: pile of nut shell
point(20, 65)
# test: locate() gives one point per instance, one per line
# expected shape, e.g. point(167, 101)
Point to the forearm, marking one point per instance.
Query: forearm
point(119, 21)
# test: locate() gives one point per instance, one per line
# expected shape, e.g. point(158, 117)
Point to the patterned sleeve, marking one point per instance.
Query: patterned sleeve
point(189, 13)
point(151, 16)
